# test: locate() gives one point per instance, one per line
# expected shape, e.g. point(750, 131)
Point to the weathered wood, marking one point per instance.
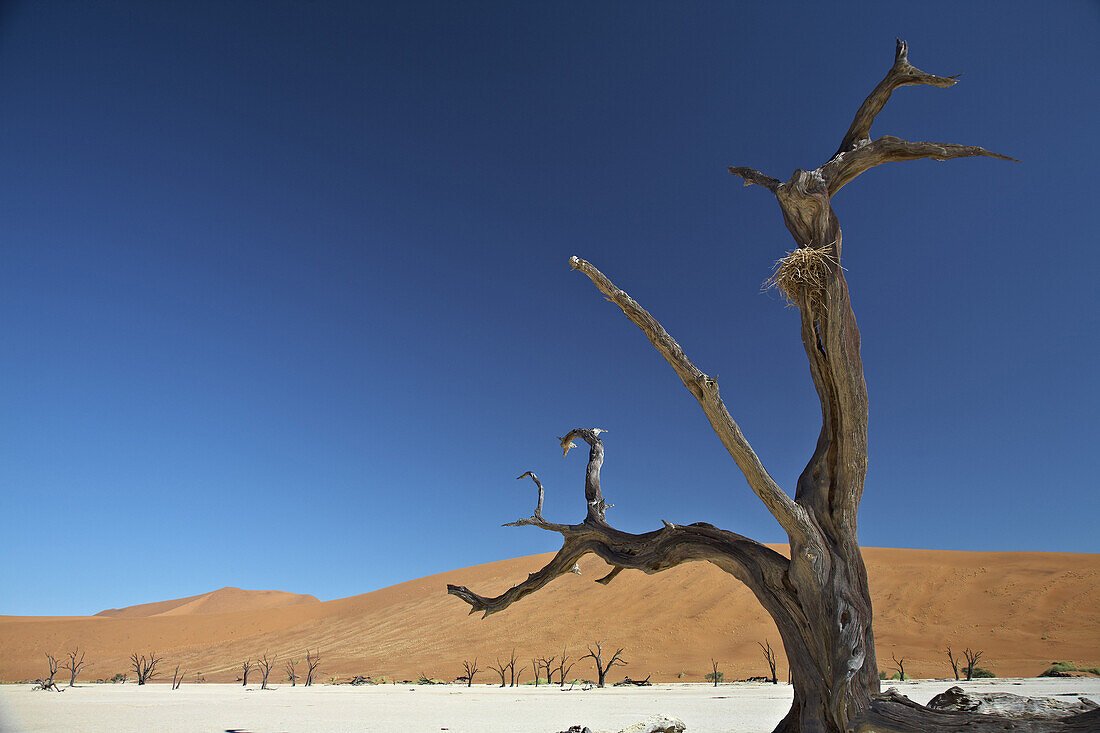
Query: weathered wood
point(894, 713)
point(819, 597)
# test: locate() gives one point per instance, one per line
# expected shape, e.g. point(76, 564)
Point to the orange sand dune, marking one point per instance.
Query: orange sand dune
point(1024, 609)
point(224, 600)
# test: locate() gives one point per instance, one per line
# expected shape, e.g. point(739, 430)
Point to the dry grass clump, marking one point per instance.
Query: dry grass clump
point(803, 268)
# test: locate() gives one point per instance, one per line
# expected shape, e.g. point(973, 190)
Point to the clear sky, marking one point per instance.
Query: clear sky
point(286, 302)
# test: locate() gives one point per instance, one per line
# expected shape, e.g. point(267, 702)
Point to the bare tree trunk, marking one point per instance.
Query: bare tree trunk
point(246, 666)
point(972, 657)
point(769, 657)
point(74, 665)
point(312, 662)
point(954, 663)
point(819, 597)
point(502, 670)
point(265, 669)
point(471, 669)
point(291, 672)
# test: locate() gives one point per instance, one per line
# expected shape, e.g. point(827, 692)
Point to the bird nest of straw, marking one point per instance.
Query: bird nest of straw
point(803, 271)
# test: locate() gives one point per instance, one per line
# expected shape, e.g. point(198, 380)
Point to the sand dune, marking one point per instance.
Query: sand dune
point(1024, 609)
point(223, 600)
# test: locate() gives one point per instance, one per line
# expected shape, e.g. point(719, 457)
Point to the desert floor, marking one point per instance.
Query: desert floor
point(729, 708)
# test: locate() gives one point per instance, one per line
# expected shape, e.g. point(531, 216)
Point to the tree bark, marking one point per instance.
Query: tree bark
point(819, 597)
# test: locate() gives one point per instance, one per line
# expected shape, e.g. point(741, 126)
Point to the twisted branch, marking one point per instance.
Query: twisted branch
point(759, 567)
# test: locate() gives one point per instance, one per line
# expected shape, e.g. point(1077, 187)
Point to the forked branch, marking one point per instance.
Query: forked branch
point(902, 73)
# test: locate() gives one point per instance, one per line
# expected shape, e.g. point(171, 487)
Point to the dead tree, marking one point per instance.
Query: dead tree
point(502, 670)
point(899, 667)
point(470, 669)
point(819, 597)
point(144, 668)
point(74, 665)
point(246, 666)
point(564, 667)
point(312, 661)
point(972, 658)
point(769, 657)
point(601, 668)
point(291, 673)
point(265, 668)
point(954, 663)
point(543, 663)
point(48, 683)
point(177, 678)
point(714, 673)
point(510, 667)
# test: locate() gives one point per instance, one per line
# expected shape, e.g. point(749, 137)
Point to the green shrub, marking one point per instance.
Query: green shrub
point(721, 676)
point(1056, 669)
point(980, 673)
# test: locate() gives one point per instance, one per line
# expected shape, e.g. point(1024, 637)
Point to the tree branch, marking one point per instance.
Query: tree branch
point(790, 516)
point(538, 507)
point(756, 177)
point(845, 167)
point(902, 73)
point(592, 492)
point(759, 567)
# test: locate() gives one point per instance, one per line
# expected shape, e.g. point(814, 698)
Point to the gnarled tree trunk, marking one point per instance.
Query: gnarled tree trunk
point(819, 597)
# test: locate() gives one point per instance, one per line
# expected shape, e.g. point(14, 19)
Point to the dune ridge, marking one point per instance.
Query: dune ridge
point(1024, 609)
point(223, 600)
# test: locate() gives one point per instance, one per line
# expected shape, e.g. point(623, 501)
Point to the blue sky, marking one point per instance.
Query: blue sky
point(286, 301)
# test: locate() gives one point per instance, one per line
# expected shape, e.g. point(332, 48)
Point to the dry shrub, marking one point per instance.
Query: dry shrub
point(803, 268)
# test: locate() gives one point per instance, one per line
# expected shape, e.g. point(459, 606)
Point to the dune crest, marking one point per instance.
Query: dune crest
point(223, 600)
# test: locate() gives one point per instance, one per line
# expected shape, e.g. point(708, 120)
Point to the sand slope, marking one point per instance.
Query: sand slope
point(223, 600)
point(1024, 609)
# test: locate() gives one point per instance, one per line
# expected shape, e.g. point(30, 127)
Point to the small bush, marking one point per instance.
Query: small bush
point(1058, 669)
point(980, 673)
point(721, 676)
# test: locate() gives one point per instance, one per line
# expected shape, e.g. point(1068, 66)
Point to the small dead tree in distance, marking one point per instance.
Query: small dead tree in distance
point(312, 662)
point(501, 668)
point(972, 658)
point(954, 663)
point(291, 673)
point(564, 668)
point(769, 657)
point(265, 669)
point(74, 665)
point(246, 667)
point(144, 668)
point(471, 669)
point(601, 668)
point(51, 660)
point(819, 596)
point(899, 666)
point(544, 663)
point(714, 672)
point(177, 678)
point(48, 683)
